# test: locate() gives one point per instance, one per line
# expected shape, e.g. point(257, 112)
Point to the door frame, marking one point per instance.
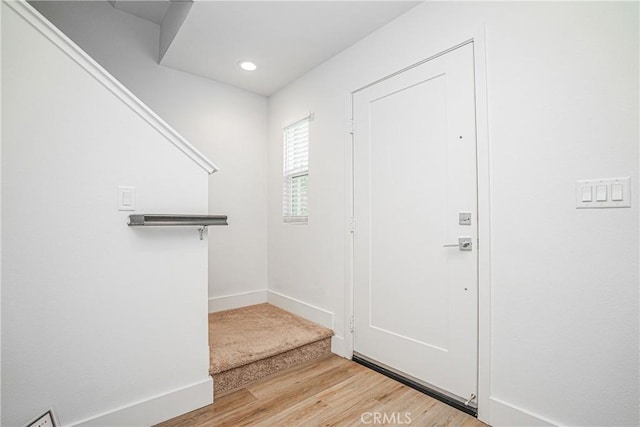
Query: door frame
point(478, 39)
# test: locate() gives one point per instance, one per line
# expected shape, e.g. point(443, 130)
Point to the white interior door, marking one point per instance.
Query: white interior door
point(415, 300)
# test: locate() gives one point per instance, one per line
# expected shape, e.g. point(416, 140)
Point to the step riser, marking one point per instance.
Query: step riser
point(232, 379)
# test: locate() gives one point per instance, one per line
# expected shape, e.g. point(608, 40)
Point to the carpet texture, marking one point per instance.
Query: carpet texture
point(235, 378)
point(252, 342)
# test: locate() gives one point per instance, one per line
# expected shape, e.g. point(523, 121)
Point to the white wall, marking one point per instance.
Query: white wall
point(227, 124)
point(563, 105)
point(96, 316)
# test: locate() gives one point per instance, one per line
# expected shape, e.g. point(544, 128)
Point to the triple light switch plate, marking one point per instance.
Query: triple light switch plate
point(603, 193)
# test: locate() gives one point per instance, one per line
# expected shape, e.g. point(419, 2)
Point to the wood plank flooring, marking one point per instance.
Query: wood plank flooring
point(328, 392)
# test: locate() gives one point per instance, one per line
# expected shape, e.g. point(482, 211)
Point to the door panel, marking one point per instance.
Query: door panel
point(415, 301)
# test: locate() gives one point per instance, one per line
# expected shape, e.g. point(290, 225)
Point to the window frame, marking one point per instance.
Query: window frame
point(291, 171)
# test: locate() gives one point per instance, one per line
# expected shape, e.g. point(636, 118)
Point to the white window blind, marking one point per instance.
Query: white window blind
point(296, 172)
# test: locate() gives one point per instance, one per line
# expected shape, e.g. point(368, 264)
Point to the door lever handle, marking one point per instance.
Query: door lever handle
point(464, 244)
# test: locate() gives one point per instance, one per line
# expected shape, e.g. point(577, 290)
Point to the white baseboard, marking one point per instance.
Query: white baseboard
point(504, 414)
point(156, 409)
point(302, 309)
point(243, 299)
point(338, 346)
point(311, 312)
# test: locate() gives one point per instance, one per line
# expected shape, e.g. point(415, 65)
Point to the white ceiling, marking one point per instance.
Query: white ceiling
point(153, 11)
point(284, 38)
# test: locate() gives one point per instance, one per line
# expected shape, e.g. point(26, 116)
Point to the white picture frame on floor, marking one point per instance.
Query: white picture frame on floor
point(48, 419)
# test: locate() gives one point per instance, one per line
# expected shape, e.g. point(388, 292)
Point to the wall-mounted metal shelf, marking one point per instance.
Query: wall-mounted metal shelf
point(155, 220)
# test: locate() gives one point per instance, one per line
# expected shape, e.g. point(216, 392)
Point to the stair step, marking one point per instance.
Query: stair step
point(250, 343)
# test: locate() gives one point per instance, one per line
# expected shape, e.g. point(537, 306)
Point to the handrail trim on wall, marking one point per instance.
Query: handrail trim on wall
point(73, 51)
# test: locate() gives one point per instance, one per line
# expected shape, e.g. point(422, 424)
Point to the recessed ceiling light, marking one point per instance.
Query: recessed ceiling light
point(248, 65)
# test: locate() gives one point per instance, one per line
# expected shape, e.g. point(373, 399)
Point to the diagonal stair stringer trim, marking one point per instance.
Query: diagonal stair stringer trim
point(73, 51)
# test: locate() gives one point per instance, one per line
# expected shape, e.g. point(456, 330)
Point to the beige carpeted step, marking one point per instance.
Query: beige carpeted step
point(249, 343)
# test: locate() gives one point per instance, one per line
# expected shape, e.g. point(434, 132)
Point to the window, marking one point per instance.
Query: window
point(295, 182)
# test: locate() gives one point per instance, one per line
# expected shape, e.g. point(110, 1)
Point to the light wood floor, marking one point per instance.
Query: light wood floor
point(329, 392)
